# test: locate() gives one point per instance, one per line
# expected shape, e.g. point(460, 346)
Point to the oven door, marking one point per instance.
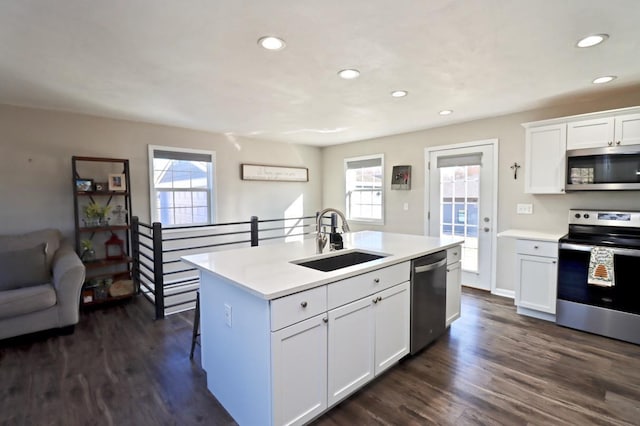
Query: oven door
point(573, 269)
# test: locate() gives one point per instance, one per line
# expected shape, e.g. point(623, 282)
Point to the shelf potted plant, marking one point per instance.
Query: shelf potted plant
point(87, 252)
point(96, 215)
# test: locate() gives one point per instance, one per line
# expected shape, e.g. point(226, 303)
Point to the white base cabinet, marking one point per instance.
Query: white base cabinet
point(365, 338)
point(536, 278)
point(454, 285)
point(351, 356)
point(299, 370)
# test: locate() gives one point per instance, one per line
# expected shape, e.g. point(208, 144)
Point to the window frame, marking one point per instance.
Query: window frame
point(370, 221)
point(211, 189)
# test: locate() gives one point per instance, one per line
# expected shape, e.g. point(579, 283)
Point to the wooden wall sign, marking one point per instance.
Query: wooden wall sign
point(274, 173)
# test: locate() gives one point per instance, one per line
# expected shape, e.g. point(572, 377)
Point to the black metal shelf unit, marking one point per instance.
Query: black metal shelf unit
point(104, 269)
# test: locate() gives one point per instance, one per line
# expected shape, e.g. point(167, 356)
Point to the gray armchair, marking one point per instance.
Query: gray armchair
point(41, 277)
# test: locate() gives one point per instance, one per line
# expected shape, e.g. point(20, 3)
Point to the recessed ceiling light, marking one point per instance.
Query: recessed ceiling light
point(349, 74)
point(605, 79)
point(445, 112)
point(399, 93)
point(271, 43)
point(592, 40)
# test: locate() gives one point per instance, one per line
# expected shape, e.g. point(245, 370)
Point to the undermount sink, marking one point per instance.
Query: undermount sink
point(338, 261)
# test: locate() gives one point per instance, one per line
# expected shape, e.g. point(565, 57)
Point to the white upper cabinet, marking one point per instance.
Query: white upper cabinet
point(594, 133)
point(627, 129)
point(603, 132)
point(545, 159)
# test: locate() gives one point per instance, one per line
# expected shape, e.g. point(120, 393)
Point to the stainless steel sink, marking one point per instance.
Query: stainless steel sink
point(338, 261)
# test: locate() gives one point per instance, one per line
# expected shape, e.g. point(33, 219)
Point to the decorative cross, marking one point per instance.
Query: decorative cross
point(515, 168)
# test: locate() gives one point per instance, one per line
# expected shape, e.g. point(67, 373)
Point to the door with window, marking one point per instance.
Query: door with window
point(461, 202)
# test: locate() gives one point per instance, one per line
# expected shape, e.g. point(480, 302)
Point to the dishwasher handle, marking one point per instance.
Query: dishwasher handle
point(431, 267)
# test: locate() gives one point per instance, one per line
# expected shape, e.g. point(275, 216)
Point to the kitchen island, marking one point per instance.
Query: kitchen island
point(282, 343)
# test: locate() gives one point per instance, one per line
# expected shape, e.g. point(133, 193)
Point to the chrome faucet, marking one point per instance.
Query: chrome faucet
point(321, 239)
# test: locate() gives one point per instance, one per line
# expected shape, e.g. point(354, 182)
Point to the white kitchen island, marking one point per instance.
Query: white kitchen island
point(282, 343)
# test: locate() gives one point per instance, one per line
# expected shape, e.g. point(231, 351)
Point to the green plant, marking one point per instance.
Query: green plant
point(86, 245)
point(94, 210)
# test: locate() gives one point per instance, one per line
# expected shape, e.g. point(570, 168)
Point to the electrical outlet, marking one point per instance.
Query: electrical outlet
point(406, 206)
point(227, 314)
point(524, 208)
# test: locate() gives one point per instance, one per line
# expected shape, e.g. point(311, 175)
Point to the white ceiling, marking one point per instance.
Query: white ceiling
point(196, 64)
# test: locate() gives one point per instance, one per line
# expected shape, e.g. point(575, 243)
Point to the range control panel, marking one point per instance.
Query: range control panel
point(604, 218)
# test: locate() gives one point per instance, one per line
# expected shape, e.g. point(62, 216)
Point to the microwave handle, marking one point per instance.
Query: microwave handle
point(616, 250)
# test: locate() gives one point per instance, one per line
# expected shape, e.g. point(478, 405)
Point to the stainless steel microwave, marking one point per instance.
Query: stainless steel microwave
point(615, 168)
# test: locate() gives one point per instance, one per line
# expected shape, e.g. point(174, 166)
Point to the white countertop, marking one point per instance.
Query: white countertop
point(267, 271)
point(532, 235)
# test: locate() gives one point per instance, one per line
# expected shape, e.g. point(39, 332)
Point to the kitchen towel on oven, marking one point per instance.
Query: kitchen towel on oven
point(601, 267)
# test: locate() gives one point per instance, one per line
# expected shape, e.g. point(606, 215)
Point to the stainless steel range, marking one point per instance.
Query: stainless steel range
point(610, 308)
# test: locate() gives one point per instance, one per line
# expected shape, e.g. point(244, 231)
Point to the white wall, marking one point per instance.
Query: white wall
point(550, 211)
point(36, 179)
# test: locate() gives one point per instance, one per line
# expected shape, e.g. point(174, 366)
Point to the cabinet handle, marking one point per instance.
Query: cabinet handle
point(303, 304)
point(379, 298)
point(375, 300)
point(553, 261)
point(455, 253)
point(610, 143)
point(376, 280)
point(325, 320)
point(448, 270)
point(535, 247)
point(618, 143)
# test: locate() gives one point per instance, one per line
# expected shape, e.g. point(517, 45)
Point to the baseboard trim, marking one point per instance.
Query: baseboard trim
point(504, 293)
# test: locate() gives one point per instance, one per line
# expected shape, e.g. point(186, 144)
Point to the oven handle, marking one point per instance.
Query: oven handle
point(616, 250)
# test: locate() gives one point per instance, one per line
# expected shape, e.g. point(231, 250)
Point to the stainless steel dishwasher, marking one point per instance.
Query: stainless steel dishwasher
point(428, 299)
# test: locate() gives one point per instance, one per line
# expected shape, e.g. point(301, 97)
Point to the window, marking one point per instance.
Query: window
point(181, 186)
point(365, 188)
point(460, 197)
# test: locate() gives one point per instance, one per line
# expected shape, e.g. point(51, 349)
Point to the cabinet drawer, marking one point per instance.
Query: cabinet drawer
point(350, 289)
point(454, 254)
point(297, 307)
point(537, 248)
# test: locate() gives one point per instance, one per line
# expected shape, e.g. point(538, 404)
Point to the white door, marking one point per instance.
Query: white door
point(392, 326)
point(299, 369)
point(462, 202)
point(350, 347)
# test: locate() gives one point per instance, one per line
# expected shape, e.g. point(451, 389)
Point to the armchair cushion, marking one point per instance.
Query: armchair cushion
point(24, 268)
point(26, 300)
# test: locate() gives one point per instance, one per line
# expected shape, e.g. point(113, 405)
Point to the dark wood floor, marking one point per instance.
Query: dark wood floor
point(493, 367)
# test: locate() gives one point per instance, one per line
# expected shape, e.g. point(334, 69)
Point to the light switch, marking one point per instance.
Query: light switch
point(524, 208)
point(406, 206)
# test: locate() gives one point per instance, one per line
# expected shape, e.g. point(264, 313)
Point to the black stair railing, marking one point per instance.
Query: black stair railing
point(167, 282)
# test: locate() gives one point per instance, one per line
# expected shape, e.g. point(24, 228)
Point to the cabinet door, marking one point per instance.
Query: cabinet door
point(594, 133)
point(350, 348)
point(545, 159)
point(627, 129)
point(299, 371)
point(392, 317)
point(454, 290)
point(536, 283)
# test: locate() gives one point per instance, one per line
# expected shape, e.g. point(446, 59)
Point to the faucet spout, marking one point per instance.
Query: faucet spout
point(321, 240)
